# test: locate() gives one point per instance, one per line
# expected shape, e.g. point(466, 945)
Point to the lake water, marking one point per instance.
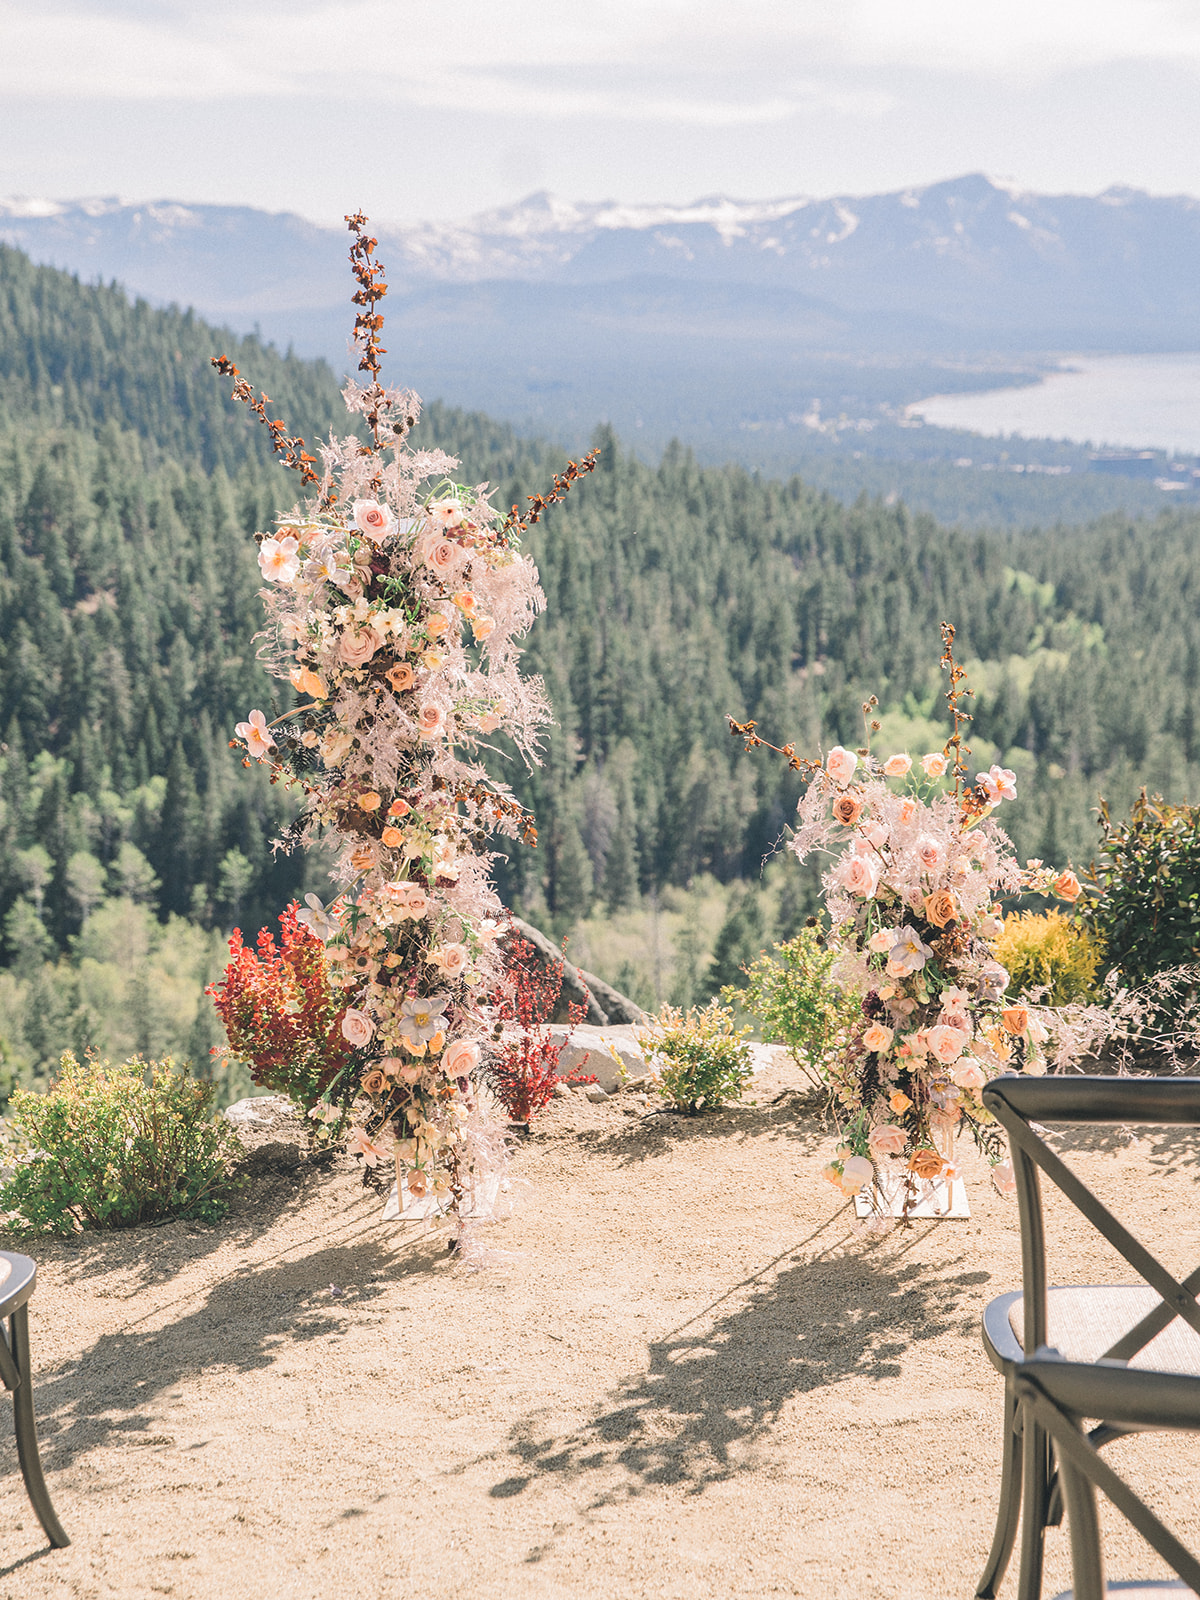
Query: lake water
point(1134, 402)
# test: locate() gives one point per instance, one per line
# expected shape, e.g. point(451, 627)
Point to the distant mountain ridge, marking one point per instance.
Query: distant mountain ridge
point(966, 263)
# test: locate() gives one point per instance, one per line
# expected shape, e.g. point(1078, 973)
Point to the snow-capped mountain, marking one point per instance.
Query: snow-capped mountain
point(968, 262)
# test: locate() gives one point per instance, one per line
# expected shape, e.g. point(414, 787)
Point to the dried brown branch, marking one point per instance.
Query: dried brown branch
point(290, 447)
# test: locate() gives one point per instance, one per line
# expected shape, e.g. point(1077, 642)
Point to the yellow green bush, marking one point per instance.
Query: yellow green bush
point(1047, 950)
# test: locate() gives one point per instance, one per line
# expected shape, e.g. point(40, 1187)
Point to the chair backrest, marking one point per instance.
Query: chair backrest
point(1019, 1103)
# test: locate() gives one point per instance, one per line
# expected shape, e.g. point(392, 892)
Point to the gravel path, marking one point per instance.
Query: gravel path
point(688, 1377)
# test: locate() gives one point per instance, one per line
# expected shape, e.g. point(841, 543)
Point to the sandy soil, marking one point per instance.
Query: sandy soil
point(690, 1378)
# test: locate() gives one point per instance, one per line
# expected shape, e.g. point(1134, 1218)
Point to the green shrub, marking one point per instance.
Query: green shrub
point(1045, 949)
point(700, 1058)
point(791, 995)
point(104, 1148)
point(1147, 912)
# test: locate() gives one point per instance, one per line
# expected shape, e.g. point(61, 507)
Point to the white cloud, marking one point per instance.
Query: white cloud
point(705, 63)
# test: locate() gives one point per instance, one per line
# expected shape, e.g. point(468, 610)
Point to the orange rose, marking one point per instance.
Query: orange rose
point(1015, 1018)
point(399, 808)
point(940, 907)
point(369, 801)
point(363, 858)
point(899, 1102)
point(847, 810)
point(373, 1083)
point(401, 677)
point(926, 1163)
point(393, 838)
point(1067, 886)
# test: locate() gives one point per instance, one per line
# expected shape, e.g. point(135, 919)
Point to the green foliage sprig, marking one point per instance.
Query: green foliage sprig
point(700, 1057)
point(107, 1149)
point(791, 994)
point(1148, 911)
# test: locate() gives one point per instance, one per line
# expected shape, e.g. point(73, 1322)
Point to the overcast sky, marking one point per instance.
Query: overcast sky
point(440, 108)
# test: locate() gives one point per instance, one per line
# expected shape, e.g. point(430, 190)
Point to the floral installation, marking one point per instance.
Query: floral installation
point(913, 901)
point(395, 598)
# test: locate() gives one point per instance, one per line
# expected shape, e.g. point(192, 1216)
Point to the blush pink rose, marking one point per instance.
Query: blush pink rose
point(451, 959)
point(358, 645)
point(372, 519)
point(929, 852)
point(897, 766)
point(357, 1027)
point(886, 1140)
point(840, 764)
point(934, 764)
point(1005, 1179)
point(858, 876)
point(461, 1059)
point(431, 722)
point(908, 811)
point(968, 1074)
point(856, 1170)
point(946, 1044)
point(882, 940)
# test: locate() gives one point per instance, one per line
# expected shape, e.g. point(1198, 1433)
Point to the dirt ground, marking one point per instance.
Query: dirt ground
point(687, 1377)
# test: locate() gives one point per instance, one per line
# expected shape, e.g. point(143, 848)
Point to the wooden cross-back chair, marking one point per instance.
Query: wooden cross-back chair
point(1125, 1356)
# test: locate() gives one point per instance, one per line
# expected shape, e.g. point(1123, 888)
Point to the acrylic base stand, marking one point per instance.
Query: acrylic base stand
point(886, 1197)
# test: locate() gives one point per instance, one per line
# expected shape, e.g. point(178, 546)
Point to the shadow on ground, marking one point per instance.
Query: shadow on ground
point(716, 1386)
point(645, 1137)
point(246, 1321)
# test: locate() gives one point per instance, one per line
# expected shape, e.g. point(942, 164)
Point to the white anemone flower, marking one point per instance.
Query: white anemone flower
point(421, 1018)
point(318, 919)
point(279, 559)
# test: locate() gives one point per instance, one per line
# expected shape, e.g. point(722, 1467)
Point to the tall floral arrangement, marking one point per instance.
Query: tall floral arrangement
point(395, 598)
point(913, 898)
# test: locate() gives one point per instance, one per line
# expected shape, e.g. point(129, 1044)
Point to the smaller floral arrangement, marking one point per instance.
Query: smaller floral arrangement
point(913, 898)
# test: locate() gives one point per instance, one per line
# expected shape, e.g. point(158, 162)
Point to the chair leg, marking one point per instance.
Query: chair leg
point(1010, 1503)
point(26, 1431)
point(1035, 1468)
point(1083, 1524)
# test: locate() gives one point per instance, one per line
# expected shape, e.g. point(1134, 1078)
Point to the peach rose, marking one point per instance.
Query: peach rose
point(940, 908)
point(886, 1140)
point(882, 940)
point(1067, 886)
point(369, 801)
point(482, 628)
point(401, 677)
point(897, 766)
point(393, 838)
point(466, 602)
point(358, 645)
point(946, 1044)
point(926, 1163)
point(487, 721)
point(840, 764)
point(847, 810)
point(908, 811)
point(357, 1027)
point(399, 808)
point(1015, 1018)
point(390, 1065)
point(372, 519)
point(431, 722)
point(305, 681)
point(934, 764)
point(877, 1037)
point(373, 1083)
point(451, 959)
point(899, 1102)
point(461, 1059)
point(436, 624)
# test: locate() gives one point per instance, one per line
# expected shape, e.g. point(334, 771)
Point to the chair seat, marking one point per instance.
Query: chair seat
point(1082, 1323)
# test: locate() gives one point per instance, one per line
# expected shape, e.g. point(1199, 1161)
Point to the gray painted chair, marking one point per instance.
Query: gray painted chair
point(18, 1279)
point(1132, 1352)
